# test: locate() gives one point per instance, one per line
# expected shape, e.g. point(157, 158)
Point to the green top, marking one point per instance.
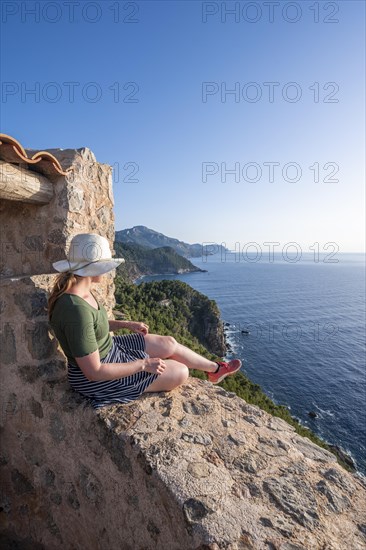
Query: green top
point(80, 328)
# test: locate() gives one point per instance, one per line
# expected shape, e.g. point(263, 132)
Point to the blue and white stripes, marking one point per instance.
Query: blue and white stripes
point(125, 348)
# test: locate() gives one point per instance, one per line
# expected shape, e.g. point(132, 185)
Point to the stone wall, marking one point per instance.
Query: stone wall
point(34, 236)
point(196, 468)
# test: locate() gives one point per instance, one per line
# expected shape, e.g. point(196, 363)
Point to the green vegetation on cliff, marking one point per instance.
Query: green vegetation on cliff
point(174, 308)
point(140, 260)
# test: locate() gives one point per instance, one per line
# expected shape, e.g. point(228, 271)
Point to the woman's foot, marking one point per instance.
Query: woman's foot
point(224, 370)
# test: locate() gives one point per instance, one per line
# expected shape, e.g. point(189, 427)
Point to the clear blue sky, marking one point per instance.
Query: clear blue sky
point(171, 49)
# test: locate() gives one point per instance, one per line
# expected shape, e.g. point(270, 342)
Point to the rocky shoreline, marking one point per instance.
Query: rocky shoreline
point(141, 277)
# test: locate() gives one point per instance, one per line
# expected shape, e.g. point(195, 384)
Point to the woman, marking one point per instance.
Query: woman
point(113, 369)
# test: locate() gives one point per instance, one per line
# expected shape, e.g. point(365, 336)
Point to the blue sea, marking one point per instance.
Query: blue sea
point(306, 341)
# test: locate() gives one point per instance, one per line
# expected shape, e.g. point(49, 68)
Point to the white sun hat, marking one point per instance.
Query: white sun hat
point(89, 255)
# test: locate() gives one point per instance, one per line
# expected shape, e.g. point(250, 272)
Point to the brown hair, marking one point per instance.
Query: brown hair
point(62, 284)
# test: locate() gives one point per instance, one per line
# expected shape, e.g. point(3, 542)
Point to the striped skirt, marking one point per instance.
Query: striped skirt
point(125, 348)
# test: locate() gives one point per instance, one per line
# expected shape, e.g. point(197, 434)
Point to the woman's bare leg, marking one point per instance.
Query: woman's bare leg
point(174, 375)
point(166, 347)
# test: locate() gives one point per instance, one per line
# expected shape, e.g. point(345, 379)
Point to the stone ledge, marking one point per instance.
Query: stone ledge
point(236, 480)
point(194, 468)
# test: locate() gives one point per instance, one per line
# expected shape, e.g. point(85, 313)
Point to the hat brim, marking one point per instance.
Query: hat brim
point(91, 270)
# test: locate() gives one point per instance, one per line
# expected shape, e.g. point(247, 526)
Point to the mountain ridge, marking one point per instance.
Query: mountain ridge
point(144, 236)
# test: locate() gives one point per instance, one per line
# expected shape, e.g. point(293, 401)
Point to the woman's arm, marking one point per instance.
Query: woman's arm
point(135, 326)
point(95, 371)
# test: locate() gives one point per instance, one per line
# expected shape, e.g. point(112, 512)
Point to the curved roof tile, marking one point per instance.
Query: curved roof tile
point(42, 161)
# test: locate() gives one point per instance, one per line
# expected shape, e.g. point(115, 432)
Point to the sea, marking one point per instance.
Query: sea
point(299, 329)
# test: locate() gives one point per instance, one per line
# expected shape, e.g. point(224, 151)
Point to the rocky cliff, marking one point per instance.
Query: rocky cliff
point(173, 307)
point(207, 326)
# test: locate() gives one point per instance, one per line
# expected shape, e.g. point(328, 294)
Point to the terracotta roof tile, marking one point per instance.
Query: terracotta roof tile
point(42, 161)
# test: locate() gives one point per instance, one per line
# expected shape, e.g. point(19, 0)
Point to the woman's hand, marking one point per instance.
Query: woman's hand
point(135, 326)
point(154, 365)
